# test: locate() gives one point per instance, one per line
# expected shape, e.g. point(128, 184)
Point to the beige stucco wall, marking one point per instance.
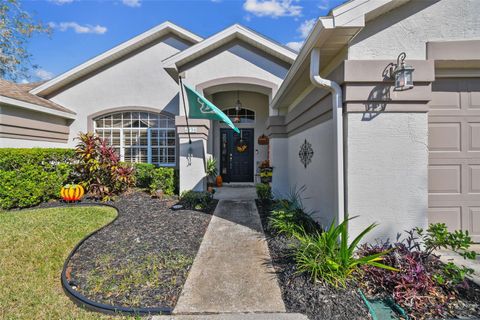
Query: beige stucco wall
point(138, 81)
point(386, 170)
point(318, 176)
point(235, 60)
point(409, 27)
point(309, 120)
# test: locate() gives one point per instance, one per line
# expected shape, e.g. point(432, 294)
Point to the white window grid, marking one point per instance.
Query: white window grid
point(140, 136)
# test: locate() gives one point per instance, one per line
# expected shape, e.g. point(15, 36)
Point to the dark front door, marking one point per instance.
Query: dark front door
point(236, 150)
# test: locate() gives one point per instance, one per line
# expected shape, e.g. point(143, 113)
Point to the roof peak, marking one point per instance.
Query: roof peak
point(115, 53)
point(267, 44)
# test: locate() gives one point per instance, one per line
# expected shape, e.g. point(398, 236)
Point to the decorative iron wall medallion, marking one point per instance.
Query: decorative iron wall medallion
point(306, 153)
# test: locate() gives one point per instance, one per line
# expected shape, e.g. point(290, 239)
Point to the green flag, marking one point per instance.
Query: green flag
point(201, 108)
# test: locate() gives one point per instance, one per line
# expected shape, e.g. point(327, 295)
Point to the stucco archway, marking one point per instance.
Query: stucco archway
point(238, 83)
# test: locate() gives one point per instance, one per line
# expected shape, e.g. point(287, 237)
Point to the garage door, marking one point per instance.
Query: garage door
point(454, 154)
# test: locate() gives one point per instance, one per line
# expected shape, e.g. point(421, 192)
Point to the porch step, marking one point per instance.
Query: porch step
point(238, 185)
point(235, 316)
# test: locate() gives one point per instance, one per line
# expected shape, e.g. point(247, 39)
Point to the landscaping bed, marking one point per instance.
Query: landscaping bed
point(300, 294)
point(416, 287)
point(142, 259)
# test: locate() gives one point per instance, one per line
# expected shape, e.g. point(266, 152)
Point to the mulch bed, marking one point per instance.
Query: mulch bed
point(320, 301)
point(300, 294)
point(142, 259)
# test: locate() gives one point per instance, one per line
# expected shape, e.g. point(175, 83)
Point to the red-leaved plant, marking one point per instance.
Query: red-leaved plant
point(99, 168)
point(412, 287)
point(424, 286)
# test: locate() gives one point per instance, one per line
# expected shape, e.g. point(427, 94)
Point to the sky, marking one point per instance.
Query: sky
point(83, 29)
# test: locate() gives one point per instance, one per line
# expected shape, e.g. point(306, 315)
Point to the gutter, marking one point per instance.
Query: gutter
point(36, 107)
point(337, 108)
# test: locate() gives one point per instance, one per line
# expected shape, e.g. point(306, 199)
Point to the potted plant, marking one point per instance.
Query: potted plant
point(266, 172)
point(211, 172)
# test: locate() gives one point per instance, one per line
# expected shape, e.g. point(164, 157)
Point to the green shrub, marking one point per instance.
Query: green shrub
point(143, 174)
point(152, 178)
point(30, 185)
point(31, 176)
point(164, 179)
point(327, 256)
point(195, 199)
point(437, 236)
point(290, 216)
point(48, 158)
point(264, 191)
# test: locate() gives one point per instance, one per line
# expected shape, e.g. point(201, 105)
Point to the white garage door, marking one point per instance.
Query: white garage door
point(454, 158)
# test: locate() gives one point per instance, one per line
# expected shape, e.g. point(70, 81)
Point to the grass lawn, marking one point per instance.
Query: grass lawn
point(33, 247)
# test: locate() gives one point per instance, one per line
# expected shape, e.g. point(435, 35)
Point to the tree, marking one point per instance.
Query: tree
point(16, 28)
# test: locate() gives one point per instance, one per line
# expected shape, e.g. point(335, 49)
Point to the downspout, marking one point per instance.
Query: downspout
point(337, 105)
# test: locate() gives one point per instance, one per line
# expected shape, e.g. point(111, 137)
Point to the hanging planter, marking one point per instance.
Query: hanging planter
point(263, 140)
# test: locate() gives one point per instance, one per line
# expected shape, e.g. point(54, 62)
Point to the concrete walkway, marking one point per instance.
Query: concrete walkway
point(236, 316)
point(232, 272)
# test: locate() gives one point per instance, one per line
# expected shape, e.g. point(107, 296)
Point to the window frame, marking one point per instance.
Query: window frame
point(148, 122)
point(231, 117)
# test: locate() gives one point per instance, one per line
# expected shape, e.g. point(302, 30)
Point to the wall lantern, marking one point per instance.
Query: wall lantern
point(402, 74)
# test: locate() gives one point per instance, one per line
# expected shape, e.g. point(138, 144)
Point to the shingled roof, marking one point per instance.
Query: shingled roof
point(21, 92)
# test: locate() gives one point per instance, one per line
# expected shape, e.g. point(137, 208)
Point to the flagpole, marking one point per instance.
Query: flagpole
point(185, 108)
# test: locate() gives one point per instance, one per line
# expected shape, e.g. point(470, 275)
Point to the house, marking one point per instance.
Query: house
point(338, 124)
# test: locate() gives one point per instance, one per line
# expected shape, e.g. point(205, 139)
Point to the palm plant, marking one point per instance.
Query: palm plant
point(211, 169)
point(328, 256)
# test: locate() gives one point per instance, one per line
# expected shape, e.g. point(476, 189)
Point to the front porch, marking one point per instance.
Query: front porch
point(238, 155)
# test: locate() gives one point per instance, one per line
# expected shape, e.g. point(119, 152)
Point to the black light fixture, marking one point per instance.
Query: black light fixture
point(402, 74)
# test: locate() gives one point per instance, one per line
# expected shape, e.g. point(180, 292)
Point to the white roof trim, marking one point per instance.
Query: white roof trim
point(349, 14)
point(116, 52)
point(36, 107)
point(226, 35)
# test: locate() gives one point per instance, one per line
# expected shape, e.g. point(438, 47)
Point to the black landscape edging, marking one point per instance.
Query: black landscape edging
point(88, 304)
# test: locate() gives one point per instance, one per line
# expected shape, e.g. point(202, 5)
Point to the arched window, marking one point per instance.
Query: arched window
point(140, 136)
point(240, 116)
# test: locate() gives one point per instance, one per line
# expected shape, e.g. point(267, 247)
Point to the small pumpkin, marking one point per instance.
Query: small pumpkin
point(219, 181)
point(72, 192)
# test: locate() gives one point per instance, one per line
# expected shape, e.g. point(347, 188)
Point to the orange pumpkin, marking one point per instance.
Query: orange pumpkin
point(72, 192)
point(219, 181)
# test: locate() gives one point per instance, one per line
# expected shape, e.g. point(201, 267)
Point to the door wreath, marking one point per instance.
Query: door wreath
point(241, 146)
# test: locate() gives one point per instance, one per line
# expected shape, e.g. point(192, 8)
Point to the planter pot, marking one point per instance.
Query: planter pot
point(219, 181)
point(266, 174)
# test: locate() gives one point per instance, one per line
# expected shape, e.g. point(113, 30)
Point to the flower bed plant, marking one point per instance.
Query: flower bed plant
point(99, 168)
point(300, 294)
point(320, 273)
point(423, 285)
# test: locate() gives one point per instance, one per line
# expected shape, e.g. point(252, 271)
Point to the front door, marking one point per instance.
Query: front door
point(236, 150)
